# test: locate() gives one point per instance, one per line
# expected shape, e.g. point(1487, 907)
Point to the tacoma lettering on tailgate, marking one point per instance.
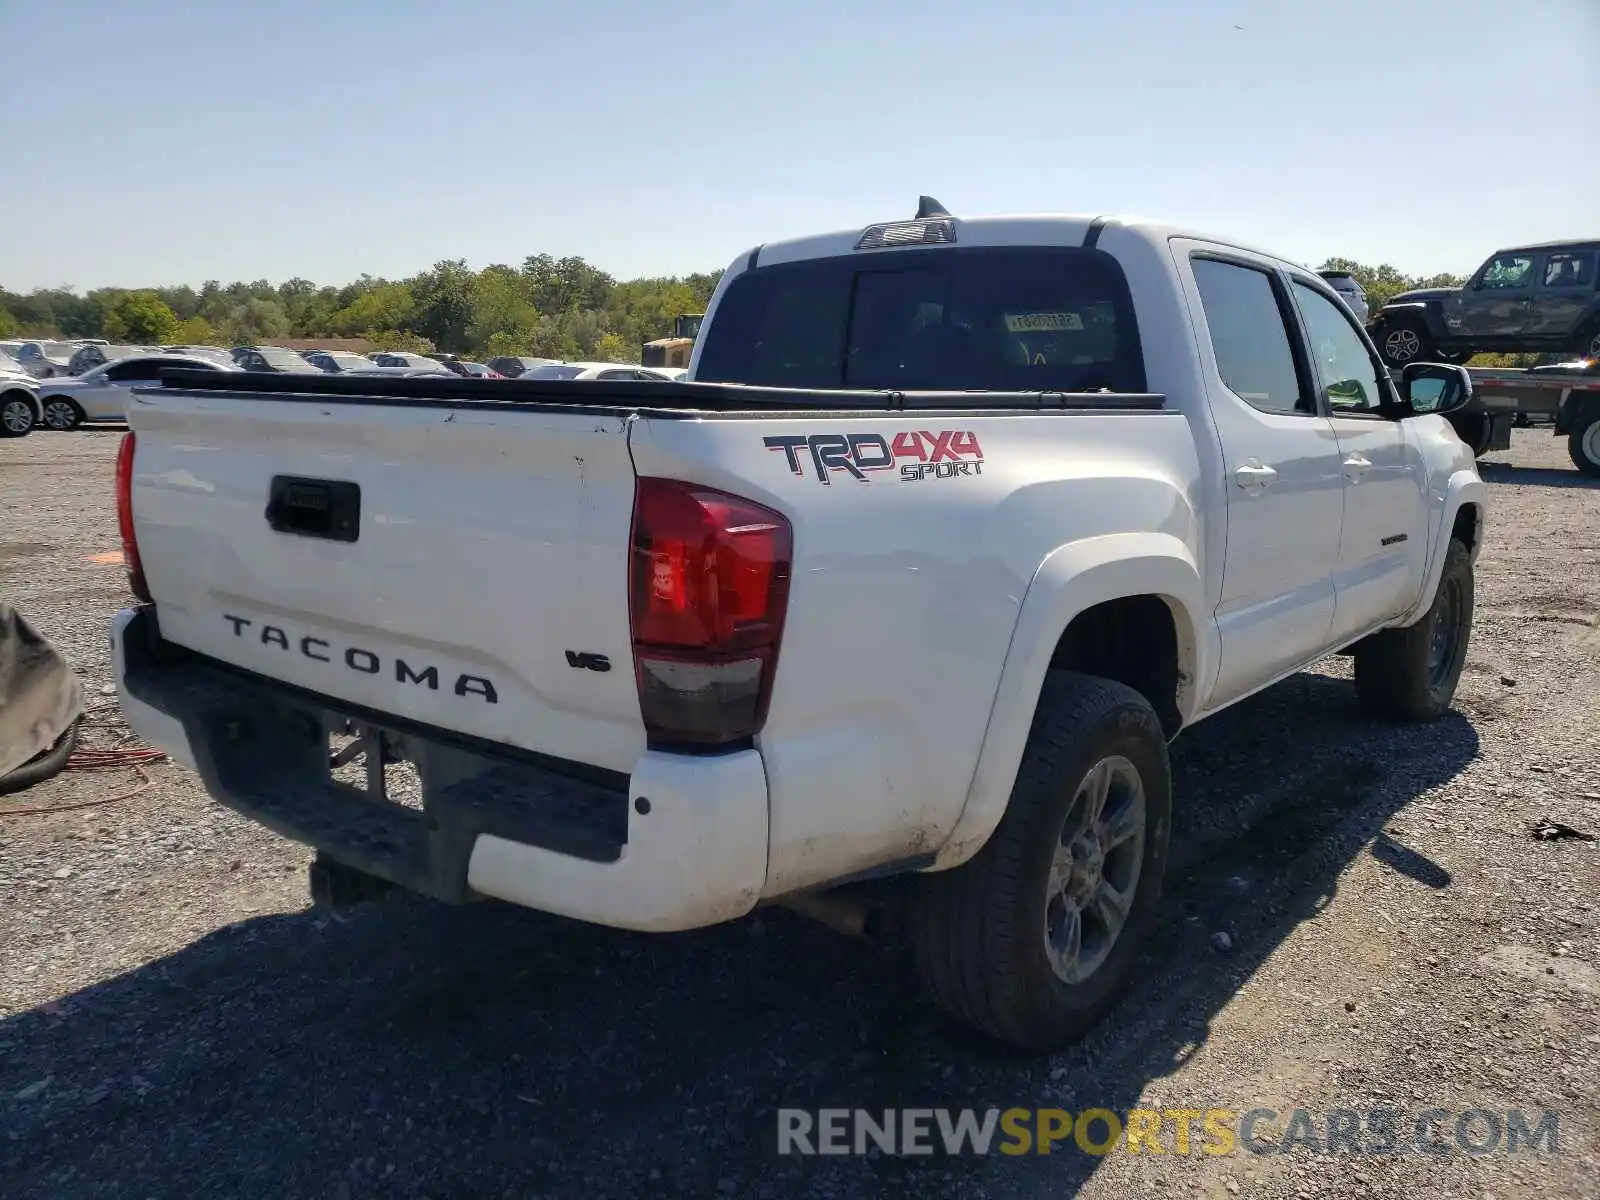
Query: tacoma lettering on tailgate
point(356, 659)
point(917, 453)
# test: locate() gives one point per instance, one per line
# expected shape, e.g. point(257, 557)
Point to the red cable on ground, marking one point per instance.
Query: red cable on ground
point(85, 759)
point(134, 791)
point(95, 760)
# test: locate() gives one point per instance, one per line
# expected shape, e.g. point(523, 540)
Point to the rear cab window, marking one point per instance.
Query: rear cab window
point(953, 319)
point(1251, 336)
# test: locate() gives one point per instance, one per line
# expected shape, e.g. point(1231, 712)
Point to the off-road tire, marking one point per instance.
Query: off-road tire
point(1583, 442)
point(43, 765)
point(978, 930)
point(1394, 326)
point(1398, 676)
point(1588, 343)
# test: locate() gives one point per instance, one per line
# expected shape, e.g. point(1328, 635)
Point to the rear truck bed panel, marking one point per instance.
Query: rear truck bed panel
point(493, 548)
point(907, 586)
point(490, 545)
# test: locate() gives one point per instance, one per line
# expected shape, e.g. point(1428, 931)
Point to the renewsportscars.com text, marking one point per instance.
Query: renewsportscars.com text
point(1177, 1131)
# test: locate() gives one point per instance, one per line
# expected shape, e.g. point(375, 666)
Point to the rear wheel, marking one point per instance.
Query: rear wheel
point(1404, 340)
point(1589, 341)
point(1035, 939)
point(1583, 443)
point(62, 414)
point(16, 415)
point(1411, 674)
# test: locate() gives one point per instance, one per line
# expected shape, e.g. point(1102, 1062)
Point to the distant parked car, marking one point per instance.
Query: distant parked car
point(408, 358)
point(337, 361)
point(512, 367)
point(225, 357)
point(481, 371)
point(272, 358)
point(46, 360)
point(96, 354)
point(407, 372)
point(102, 394)
point(1350, 291)
point(594, 370)
point(19, 399)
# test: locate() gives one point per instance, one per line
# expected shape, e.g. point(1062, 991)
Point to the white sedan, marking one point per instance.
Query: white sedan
point(600, 370)
point(103, 393)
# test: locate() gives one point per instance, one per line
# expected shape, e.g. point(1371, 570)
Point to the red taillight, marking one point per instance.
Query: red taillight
point(130, 542)
point(708, 588)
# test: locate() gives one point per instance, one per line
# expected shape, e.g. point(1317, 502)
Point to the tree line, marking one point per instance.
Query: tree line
point(547, 307)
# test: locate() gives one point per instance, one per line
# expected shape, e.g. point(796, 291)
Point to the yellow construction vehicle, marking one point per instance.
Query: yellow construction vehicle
point(673, 351)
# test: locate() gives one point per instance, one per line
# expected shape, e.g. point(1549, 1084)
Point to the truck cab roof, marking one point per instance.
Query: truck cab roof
point(1026, 229)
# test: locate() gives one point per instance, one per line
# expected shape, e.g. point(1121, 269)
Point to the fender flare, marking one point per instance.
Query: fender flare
point(1427, 311)
point(1072, 579)
point(1464, 487)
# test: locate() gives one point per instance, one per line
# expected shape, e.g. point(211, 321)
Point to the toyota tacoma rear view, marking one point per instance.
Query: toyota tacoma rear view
point(952, 527)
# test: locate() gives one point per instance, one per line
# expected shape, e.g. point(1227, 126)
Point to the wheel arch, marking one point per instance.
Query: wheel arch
point(1463, 514)
point(1125, 606)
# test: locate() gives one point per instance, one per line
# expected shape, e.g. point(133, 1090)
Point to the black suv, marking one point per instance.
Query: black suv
point(1534, 299)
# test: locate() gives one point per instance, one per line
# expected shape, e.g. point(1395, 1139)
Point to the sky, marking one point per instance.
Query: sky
point(170, 142)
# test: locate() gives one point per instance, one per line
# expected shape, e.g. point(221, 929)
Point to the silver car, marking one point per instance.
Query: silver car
point(1350, 291)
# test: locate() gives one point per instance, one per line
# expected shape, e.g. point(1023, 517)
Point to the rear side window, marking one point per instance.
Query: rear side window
point(1249, 336)
point(1569, 270)
point(1037, 319)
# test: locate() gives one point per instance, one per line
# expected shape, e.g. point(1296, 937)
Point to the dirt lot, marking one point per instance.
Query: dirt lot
point(174, 1020)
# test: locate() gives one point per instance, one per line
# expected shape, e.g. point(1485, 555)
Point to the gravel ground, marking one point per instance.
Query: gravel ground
point(174, 1019)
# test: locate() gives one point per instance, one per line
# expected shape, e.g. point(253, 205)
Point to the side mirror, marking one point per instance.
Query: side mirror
point(1435, 388)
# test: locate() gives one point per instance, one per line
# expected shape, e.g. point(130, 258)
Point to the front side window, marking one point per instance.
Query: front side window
point(1249, 337)
point(982, 319)
point(1569, 270)
point(1508, 271)
point(1343, 362)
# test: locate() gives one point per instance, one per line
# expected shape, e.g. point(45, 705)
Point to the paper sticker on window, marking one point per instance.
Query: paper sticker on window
point(1043, 322)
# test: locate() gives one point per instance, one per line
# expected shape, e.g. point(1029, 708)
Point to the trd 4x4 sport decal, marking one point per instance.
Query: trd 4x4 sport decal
point(919, 454)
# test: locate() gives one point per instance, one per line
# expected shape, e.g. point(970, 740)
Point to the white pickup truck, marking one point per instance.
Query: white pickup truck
point(956, 525)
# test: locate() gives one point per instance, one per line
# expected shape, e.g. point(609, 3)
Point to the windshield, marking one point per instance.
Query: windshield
point(552, 371)
point(349, 362)
point(7, 363)
point(1033, 319)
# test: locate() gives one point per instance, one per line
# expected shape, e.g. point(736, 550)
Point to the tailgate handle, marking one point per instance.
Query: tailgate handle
point(319, 508)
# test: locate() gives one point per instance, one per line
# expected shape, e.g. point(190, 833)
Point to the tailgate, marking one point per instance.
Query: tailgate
point(483, 588)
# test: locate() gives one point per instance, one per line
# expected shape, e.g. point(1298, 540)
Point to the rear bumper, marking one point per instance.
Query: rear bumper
point(679, 844)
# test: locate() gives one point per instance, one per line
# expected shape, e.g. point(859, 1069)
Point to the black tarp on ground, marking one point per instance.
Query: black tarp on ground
point(39, 695)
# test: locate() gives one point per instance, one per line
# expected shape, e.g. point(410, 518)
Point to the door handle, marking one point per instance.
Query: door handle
point(1253, 477)
point(1357, 465)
